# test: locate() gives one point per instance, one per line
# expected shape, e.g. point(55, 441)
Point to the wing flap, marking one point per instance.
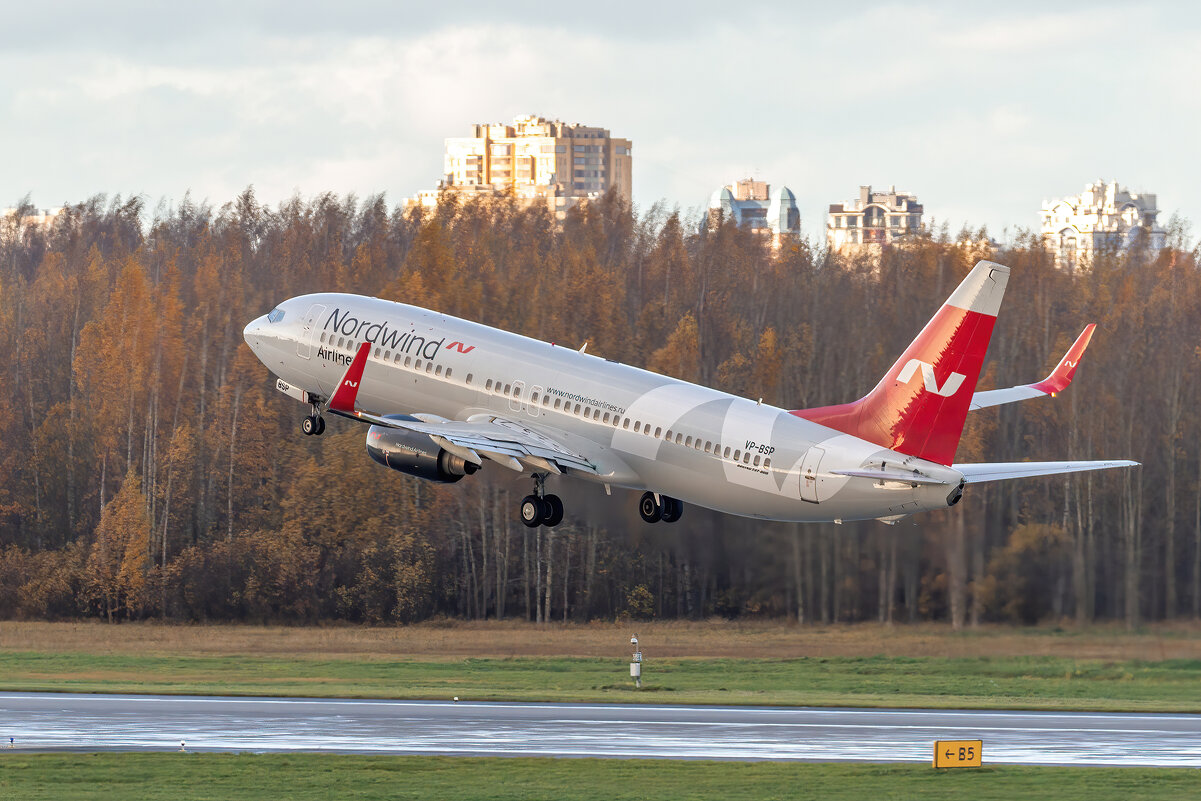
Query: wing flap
point(506, 442)
point(1000, 471)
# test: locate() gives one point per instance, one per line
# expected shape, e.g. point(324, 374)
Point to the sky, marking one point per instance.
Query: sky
point(982, 110)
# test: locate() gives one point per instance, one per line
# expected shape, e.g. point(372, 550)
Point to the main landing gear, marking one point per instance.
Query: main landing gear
point(654, 507)
point(541, 509)
point(314, 424)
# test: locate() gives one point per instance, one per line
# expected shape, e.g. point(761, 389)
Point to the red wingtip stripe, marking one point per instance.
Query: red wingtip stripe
point(1063, 373)
point(348, 388)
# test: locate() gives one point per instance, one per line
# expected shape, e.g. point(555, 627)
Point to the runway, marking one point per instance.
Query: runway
point(52, 721)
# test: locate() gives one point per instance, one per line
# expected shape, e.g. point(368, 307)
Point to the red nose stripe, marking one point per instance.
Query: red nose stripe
point(348, 388)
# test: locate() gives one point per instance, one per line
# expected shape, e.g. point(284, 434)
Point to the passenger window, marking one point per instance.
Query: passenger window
point(625, 423)
point(577, 408)
point(767, 463)
point(417, 364)
point(737, 454)
point(322, 336)
point(746, 457)
point(558, 403)
point(448, 372)
point(667, 436)
point(396, 357)
point(429, 367)
point(679, 439)
point(637, 427)
point(408, 360)
point(487, 384)
point(546, 400)
point(756, 460)
point(533, 397)
point(587, 412)
point(341, 340)
point(688, 442)
point(377, 352)
point(697, 444)
point(606, 418)
point(727, 453)
point(468, 377)
point(438, 371)
point(658, 431)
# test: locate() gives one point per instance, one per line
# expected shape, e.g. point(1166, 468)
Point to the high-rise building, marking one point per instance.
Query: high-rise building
point(1104, 215)
point(752, 204)
point(873, 220)
point(43, 219)
point(538, 160)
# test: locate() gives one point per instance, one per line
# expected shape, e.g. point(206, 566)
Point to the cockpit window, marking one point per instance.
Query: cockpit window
point(275, 316)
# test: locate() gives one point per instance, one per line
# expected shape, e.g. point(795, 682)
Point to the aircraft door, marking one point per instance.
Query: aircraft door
point(304, 345)
point(536, 393)
point(517, 399)
point(809, 479)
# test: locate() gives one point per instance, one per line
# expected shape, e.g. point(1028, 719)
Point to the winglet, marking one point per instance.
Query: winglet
point(1061, 376)
point(1052, 385)
point(348, 388)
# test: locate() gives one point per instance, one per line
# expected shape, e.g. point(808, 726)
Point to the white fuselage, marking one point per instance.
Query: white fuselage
point(641, 430)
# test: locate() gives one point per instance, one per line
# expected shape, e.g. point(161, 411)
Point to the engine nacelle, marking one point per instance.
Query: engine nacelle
point(415, 454)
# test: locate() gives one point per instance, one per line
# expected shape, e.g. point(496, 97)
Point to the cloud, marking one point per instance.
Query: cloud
point(982, 113)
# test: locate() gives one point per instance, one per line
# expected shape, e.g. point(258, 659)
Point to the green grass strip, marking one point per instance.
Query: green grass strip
point(992, 683)
point(182, 777)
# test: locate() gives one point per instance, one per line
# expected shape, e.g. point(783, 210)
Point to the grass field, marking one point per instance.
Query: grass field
point(713, 638)
point(1102, 669)
point(176, 777)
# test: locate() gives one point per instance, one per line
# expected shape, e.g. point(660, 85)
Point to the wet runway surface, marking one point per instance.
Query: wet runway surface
point(51, 721)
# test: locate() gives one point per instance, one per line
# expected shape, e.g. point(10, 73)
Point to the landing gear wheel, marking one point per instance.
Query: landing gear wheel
point(320, 427)
point(672, 509)
point(649, 508)
point(532, 511)
point(553, 510)
point(309, 425)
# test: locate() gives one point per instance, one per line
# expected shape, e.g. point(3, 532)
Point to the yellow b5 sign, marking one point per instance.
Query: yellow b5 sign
point(958, 753)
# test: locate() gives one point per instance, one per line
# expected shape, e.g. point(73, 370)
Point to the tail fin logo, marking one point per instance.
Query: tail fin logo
point(950, 386)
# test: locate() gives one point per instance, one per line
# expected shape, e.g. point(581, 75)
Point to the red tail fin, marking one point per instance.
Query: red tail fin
point(920, 405)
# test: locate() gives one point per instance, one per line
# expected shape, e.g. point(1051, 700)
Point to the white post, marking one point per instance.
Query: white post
point(636, 664)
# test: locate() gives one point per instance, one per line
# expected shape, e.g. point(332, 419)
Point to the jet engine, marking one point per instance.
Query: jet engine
point(415, 454)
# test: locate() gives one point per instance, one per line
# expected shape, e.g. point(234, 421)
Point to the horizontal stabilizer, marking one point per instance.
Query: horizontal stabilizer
point(1052, 385)
point(999, 471)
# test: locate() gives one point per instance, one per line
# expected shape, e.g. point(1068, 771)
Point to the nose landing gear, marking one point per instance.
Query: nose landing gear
point(541, 509)
point(654, 507)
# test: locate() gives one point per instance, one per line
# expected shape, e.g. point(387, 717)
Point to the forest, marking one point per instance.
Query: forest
point(149, 468)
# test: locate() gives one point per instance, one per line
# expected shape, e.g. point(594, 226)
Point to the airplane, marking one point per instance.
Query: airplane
point(443, 395)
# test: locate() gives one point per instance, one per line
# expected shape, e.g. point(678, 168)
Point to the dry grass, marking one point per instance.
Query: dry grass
point(715, 638)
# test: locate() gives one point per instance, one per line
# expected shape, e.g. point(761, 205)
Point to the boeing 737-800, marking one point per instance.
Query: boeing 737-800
point(444, 395)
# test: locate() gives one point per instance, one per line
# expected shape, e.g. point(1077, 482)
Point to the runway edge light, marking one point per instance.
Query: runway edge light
point(958, 753)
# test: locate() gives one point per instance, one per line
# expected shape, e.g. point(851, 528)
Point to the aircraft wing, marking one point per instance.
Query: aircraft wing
point(999, 471)
point(484, 436)
point(1053, 384)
